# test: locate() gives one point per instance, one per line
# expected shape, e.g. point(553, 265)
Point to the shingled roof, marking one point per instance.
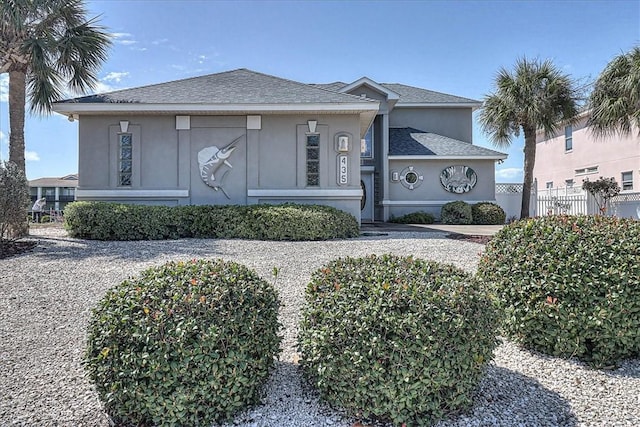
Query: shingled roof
point(239, 86)
point(415, 142)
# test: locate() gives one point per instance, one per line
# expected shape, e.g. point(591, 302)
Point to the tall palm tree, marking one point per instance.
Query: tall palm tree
point(536, 95)
point(615, 100)
point(46, 46)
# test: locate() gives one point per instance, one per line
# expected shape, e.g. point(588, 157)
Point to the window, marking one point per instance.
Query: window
point(585, 171)
point(366, 145)
point(568, 138)
point(627, 180)
point(313, 160)
point(568, 183)
point(550, 184)
point(125, 157)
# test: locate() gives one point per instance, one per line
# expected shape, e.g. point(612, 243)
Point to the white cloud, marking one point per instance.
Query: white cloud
point(3, 136)
point(201, 59)
point(31, 156)
point(123, 39)
point(102, 87)
point(115, 76)
point(4, 87)
point(159, 41)
point(509, 173)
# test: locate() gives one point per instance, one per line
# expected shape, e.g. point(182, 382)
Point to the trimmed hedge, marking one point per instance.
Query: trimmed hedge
point(458, 212)
point(487, 213)
point(414, 218)
point(114, 221)
point(569, 285)
point(183, 344)
point(395, 339)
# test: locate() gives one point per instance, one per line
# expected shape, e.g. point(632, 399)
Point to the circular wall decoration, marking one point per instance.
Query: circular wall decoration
point(458, 179)
point(410, 178)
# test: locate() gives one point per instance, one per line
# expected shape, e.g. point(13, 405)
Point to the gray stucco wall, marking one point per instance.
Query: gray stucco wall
point(430, 195)
point(271, 158)
point(455, 123)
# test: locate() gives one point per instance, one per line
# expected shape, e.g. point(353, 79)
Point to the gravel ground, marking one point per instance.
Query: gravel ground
point(46, 296)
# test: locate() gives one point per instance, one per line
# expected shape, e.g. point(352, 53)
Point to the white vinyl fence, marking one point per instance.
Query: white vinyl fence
point(570, 201)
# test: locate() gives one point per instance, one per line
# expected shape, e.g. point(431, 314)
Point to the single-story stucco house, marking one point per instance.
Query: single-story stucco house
point(372, 149)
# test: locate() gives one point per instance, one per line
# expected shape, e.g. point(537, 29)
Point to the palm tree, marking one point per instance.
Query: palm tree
point(615, 100)
point(535, 96)
point(46, 46)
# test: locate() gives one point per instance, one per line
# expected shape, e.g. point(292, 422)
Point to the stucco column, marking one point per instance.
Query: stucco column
point(384, 178)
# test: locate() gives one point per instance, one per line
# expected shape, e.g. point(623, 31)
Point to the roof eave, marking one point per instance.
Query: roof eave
point(68, 108)
point(437, 157)
point(472, 105)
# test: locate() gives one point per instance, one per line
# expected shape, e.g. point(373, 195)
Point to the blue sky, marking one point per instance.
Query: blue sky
point(454, 47)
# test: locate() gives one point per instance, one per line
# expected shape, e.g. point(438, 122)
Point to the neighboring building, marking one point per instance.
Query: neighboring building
point(57, 191)
point(575, 154)
point(242, 137)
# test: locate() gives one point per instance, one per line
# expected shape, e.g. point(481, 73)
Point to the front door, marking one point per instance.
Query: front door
point(366, 204)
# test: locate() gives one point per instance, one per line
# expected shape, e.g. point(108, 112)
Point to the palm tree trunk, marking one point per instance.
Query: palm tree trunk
point(529, 162)
point(17, 100)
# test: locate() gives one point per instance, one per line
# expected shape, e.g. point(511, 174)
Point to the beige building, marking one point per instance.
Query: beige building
point(57, 191)
point(575, 154)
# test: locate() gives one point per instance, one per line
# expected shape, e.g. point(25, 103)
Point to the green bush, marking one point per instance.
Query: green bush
point(414, 218)
point(457, 212)
point(395, 339)
point(487, 213)
point(14, 201)
point(113, 221)
point(569, 285)
point(183, 344)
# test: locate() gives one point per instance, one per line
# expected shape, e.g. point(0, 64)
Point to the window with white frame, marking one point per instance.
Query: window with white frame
point(313, 160)
point(366, 147)
point(568, 183)
point(125, 159)
point(550, 184)
point(627, 180)
point(586, 171)
point(568, 138)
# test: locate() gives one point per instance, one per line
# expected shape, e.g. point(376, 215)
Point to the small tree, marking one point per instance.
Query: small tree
point(14, 200)
point(603, 190)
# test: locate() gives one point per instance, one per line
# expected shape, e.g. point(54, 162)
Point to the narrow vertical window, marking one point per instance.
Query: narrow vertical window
point(627, 180)
point(568, 138)
point(366, 145)
point(313, 160)
point(125, 157)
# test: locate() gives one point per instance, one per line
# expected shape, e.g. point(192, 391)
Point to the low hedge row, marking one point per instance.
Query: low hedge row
point(115, 221)
point(460, 212)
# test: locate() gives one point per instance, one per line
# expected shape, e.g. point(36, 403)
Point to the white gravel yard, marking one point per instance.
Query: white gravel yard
point(46, 296)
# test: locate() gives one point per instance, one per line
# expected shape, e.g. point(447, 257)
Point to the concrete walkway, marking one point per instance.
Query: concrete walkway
point(473, 230)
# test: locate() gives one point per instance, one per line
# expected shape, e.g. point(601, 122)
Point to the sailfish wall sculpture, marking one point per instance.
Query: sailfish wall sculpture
point(210, 159)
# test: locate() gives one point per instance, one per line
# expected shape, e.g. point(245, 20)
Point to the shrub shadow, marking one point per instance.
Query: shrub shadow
point(507, 398)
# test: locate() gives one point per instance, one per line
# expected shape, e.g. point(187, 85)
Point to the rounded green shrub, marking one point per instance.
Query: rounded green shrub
point(488, 213)
point(395, 339)
point(569, 285)
point(414, 218)
point(185, 343)
point(458, 212)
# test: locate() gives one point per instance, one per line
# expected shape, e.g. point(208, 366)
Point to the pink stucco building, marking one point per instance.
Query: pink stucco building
point(575, 154)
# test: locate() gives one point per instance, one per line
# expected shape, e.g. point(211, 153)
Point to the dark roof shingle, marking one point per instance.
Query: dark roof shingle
point(414, 142)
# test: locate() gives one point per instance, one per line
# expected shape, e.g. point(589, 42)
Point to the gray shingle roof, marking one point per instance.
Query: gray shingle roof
point(411, 94)
point(65, 181)
point(414, 142)
point(240, 86)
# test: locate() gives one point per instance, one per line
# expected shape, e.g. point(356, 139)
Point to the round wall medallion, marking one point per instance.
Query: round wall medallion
point(458, 179)
point(410, 178)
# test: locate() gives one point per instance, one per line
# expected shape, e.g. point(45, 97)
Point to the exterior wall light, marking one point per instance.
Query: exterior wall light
point(312, 125)
point(343, 144)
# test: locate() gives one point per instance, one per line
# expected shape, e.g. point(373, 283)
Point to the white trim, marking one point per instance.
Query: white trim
point(436, 157)
point(391, 95)
point(425, 203)
point(346, 193)
point(131, 193)
point(74, 107)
